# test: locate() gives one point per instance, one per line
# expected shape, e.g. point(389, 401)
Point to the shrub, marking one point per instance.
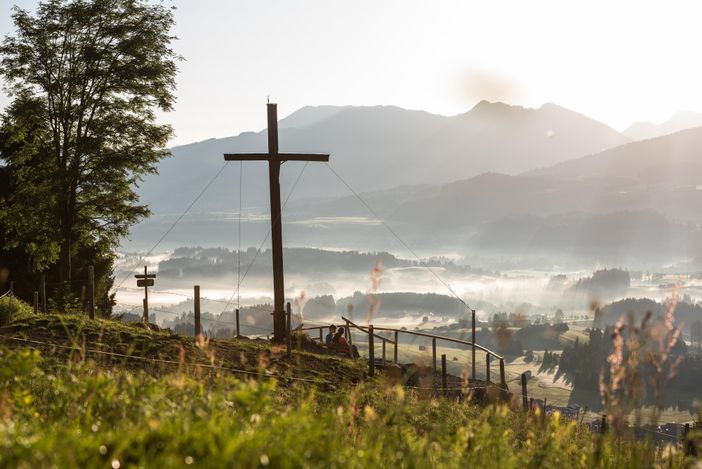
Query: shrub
point(11, 308)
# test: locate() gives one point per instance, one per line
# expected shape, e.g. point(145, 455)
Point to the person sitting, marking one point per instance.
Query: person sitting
point(340, 339)
point(330, 337)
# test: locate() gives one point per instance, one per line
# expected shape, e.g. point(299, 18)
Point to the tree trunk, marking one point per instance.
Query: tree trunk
point(66, 247)
point(66, 217)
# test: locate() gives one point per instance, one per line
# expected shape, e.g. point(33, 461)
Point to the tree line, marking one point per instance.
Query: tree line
point(585, 364)
point(86, 79)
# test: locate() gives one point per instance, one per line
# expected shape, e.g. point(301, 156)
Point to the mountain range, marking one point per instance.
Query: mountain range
point(681, 120)
point(498, 177)
point(378, 148)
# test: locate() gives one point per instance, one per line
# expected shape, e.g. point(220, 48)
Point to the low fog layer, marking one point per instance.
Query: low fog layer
point(380, 286)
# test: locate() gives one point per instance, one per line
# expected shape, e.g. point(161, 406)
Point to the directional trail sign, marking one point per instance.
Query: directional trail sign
point(145, 280)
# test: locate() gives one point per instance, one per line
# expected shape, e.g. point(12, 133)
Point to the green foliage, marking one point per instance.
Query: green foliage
point(605, 283)
point(11, 308)
point(87, 78)
point(83, 416)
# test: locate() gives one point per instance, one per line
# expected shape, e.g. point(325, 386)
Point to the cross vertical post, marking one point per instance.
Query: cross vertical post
point(275, 159)
point(279, 329)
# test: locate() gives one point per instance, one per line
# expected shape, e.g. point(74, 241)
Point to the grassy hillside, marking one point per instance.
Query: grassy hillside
point(84, 409)
point(108, 343)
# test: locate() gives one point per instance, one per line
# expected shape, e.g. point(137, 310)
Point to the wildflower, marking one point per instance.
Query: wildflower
point(669, 451)
point(400, 393)
point(369, 413)
point(374, 302)
point(264, 459)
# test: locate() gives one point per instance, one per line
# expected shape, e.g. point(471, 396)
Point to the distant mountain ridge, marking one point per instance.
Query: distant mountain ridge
point(380, 147)
point(681, 120)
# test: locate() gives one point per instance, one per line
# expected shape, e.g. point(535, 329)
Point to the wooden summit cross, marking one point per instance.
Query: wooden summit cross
point(275, 159)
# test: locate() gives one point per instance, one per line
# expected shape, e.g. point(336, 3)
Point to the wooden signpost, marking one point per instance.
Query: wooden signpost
point(145, 280)
point(275, 159)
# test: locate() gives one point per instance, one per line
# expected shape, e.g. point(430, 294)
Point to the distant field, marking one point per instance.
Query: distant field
point(568, 337)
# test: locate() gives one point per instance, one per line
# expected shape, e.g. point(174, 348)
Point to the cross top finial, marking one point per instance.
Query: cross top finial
point(268, 99)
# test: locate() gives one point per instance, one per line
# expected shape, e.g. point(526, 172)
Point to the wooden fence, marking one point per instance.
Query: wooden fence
point(371, 332)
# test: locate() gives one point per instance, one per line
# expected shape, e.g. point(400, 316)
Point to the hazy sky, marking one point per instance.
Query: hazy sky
point(615, 61)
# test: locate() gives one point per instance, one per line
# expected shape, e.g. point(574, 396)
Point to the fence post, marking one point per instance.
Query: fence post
point(689, 443)
point(83, 302)
point(238, 331)
point(321, 335)
point(433, 351)
point(396, 336)
point(531, 404)
point(42, 288)
point(349, 339)
point(443, 374)
point(472, 375)
point(371, 352)
point(196, 308)
point(91, 291)
point(383, 352)
point(525, 397)
point(603, 426)
point(288, 329)
point(36, 302)
point(487, 368)
point(347, 333)
point(503, 381)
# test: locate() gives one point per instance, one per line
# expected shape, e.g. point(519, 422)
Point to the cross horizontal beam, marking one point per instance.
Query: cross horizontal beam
point(277, 157)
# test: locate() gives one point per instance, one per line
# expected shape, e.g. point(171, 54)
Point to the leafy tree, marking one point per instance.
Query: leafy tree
point(86, 77)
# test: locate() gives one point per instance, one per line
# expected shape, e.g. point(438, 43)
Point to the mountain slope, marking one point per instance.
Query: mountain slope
point(673, 160)
point(495, 137)
point(662, 175)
